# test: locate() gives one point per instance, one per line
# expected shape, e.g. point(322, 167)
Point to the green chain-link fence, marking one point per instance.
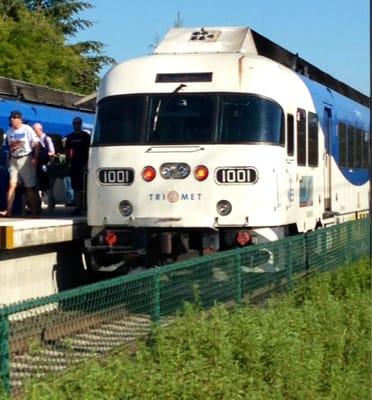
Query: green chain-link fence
point(50, 334)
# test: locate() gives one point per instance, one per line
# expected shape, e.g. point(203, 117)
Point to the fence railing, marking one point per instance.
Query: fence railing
point(50, 334)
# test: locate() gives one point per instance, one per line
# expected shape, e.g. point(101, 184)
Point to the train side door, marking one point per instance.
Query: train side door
point(327, 126)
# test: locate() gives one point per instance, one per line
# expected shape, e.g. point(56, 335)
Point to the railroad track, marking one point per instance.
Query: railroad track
point(68, 342)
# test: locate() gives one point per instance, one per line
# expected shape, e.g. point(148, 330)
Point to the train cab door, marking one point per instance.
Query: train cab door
point(327, 126)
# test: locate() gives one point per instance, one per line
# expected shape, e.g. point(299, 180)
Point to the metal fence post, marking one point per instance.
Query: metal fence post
point(156, 297)
point(307, 250)
point(238, 279)
point(4, 353)
point(355, 239)
point(290, 266)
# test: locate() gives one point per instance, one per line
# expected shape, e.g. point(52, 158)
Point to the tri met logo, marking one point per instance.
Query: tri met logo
point(174, 196)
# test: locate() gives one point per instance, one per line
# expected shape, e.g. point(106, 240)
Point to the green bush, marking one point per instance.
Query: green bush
point(311, 344)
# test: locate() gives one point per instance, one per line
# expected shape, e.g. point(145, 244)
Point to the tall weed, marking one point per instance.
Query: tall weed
point(311, 344)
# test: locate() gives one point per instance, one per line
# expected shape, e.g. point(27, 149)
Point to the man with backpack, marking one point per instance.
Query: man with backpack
point(46, 152)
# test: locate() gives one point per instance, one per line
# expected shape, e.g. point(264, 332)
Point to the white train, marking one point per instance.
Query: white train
point(219, 139)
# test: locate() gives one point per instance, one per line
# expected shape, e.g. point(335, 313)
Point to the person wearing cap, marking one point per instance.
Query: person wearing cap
point(23, 150)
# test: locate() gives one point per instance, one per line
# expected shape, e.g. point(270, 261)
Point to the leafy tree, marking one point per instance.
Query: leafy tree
point(62, 13)
point(57, 21)
point(34, 51)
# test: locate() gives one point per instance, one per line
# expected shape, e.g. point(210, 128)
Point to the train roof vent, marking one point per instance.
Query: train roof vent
point(205, 36)
point(207, 40)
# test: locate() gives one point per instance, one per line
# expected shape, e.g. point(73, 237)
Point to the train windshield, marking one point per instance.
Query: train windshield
point(119, 120)
point(188, 118)
point(177, 118)
point(247, 118)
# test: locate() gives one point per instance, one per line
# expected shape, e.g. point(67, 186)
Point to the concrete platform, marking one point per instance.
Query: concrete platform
point(56, 227)
point(42, 256)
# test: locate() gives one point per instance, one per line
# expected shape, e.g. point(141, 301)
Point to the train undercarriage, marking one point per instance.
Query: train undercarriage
point(124, 250)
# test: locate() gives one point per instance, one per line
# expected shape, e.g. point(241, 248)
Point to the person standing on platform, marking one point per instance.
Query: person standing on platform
point(45, 182)
point(67, 180)
point(77, 151)
point(24, 151)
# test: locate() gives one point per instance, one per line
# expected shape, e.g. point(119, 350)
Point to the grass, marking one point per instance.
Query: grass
point(311, 344)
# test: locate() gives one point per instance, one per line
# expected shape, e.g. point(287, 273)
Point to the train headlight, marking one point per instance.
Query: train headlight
point(125, 208)
point(183, 171)
point(166, 171)
point(201, 172)
point(224, 207)
point(174, 170)
point(148, 173)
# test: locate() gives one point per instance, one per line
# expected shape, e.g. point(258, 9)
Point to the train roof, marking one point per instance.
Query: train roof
point(247, 41)
point(29, 92)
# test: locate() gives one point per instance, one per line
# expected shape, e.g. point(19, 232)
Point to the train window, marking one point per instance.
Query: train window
point(342, 145)
point(301, 136)
point(290, 135)
point(119, 120)
point(182, 118)
point(351, 146)
point(358, 148)
point(251, 119)
point(365, 150)
point(313, 139)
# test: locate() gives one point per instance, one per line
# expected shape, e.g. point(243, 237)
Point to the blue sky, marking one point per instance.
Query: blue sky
point(331, 34)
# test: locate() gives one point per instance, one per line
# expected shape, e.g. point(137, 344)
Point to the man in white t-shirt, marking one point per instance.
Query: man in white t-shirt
point(23, 151)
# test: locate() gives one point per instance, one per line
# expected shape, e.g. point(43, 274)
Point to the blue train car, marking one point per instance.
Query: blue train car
point(55, 120)
point(54, 109)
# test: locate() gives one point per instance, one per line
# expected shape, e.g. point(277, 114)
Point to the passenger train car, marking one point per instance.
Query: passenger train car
point(221, 138)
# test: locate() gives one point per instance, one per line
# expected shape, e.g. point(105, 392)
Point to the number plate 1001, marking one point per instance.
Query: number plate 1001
point(116, 176)
point(236, 175)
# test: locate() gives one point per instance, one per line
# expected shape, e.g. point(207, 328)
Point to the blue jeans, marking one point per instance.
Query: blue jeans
point(68, 189)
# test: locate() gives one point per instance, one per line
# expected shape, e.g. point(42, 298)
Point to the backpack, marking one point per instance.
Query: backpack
point(43, 156)
point(43, 153)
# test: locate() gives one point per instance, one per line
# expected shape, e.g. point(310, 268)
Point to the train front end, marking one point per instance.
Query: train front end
point(186, 159)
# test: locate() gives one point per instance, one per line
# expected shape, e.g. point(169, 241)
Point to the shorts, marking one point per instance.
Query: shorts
point(22, 170)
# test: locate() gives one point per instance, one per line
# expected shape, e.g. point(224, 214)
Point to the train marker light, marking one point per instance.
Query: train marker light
point(111, 238)
point(201, 172)
point(243, 238)
point(224, 207)
point(148, 173)
point(125, 208)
